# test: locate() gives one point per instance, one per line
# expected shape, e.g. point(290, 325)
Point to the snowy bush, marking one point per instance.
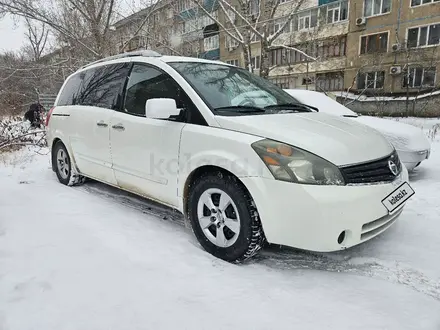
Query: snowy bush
point(14, 133)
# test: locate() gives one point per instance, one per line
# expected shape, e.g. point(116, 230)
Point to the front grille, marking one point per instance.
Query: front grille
point(372, 172)
point(375, 227)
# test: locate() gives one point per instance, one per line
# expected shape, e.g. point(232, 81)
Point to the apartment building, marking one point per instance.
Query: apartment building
point(369, 46)
point(196, 31)
point(393, 46)
point(311, 50)
point(171, 27)
point(148, 28)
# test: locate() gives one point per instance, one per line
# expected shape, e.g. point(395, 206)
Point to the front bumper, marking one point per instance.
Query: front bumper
point(313, 217)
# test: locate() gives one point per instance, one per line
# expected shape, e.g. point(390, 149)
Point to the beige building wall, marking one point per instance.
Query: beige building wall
point(397, 29)
point(295, 74)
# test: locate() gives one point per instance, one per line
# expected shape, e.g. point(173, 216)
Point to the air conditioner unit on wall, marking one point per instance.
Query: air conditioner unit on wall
point(396, 47)
point(361, 21)
point(395, 70)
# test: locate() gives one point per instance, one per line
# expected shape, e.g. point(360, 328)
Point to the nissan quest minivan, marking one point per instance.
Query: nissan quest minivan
point(244, 161)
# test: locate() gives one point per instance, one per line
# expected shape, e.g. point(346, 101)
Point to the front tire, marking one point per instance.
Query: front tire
point(224, 218)
point(64, 169)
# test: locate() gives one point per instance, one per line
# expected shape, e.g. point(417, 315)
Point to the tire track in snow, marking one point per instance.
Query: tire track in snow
point(369, 267)
point(287, 258)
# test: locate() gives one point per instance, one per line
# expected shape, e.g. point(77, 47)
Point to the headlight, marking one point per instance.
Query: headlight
point(291, 164)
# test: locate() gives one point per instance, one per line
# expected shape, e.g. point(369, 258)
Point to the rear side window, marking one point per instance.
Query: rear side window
point(70, 91)
point(102, 86)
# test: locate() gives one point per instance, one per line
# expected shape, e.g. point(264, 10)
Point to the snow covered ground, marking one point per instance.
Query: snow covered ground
point(94, 258)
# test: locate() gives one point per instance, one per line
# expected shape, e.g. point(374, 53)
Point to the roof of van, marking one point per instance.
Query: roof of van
point(168, 59)
point(146, 54)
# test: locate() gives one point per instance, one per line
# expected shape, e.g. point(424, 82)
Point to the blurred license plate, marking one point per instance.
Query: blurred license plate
point(398, 197)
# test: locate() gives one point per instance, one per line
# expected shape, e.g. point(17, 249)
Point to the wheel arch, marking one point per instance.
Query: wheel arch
point(69, 151)
point(197, 173)
point(54, 142)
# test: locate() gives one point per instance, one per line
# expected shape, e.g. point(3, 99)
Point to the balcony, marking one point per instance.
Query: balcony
point(213, 54)
point(189, 10)
point(319, 22)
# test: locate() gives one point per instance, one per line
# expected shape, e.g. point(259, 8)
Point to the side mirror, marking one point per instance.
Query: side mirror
point(161, 108)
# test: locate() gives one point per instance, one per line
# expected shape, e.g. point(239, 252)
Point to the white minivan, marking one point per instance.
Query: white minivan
point(242, 159)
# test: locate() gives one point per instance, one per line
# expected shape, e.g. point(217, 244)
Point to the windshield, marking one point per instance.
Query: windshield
point(235, 90)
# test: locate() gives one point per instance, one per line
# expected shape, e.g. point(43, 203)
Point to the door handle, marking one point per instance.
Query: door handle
point(101, 124)
point(119, 127)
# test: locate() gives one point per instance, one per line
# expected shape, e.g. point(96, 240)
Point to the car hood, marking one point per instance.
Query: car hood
point(341, 141)
point(321, 101)
point(404, 137)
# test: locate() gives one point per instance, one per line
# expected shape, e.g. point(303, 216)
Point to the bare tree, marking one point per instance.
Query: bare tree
point(254, 20)
point(15, 133)
point(94, 15)
point(36, 34)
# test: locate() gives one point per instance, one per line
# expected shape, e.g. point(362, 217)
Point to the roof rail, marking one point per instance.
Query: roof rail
point(146, 53)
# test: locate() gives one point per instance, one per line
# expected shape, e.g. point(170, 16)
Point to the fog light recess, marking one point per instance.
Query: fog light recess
point(341, 237)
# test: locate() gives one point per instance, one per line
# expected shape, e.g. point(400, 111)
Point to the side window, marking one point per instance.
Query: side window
point(70, 91)
point(102, 86)
point(146, 82)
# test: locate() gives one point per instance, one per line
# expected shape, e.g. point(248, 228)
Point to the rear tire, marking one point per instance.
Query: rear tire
point(230, 228)
point(64, 169)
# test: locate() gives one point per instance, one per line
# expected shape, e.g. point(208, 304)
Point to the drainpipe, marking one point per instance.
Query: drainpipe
point(399, 14)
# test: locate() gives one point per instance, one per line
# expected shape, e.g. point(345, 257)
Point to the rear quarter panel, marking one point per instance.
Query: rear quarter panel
point(58, 128)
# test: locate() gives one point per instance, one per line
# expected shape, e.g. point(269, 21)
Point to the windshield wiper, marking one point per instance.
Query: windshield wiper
point(240, 108)
point(293, 106)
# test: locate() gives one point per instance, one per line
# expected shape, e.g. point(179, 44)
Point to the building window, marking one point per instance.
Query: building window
point(330, 81)
point(277, 25)
point(371, 80)
point(424, 36)
point(323, 50)
point(331, 48)
point(420, 77)
point(415, 3)
point(233, 62)
point(374, 43)
point(282, 82)
point(307, 19)
point(183, 5)
point(255, 62)
point(376, 7)
point(211, 43)
point(308, 81)
point(231, 42)
point(254, 7)
point(231, 14)
point(337, 12)
point(190, 26)
point(254, 37)
point(170, 13)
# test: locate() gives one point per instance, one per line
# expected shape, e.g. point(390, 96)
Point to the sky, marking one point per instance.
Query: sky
point(11, 36)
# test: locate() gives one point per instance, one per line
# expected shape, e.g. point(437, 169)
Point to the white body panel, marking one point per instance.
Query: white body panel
point(410, 142)
point(338, 140)
point(145, 156)
point(155, 158)
point(312, 217)
point(90, 142)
